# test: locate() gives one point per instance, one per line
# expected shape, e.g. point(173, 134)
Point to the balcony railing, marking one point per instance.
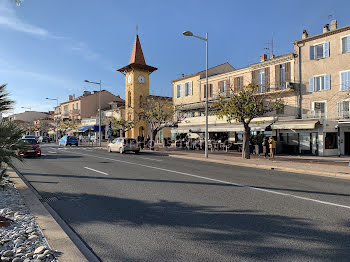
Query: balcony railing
point(344, 114)
point(65, 113)
point(315, 114)
point(75, 111)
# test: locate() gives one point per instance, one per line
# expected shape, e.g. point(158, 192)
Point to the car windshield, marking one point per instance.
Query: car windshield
point(130, 141)
point(29, 141)
point(71, 137)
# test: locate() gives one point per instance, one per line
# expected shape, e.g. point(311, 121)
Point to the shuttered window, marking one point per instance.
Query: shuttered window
point(344, 109)
point(188, 88)
point(178, 91)
point(238, 83)
point(345, 81)
point(319, 83)
point(345, 44)
point(319, 51)
point(261, 81)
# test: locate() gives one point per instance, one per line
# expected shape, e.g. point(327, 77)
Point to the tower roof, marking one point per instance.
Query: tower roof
point(137, 60)
point(137, 54)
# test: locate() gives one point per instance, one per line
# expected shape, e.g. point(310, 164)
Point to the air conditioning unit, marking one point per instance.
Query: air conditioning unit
point(290, 85)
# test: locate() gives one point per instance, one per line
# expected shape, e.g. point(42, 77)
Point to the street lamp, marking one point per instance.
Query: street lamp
point(99, 110)
point(55, 99)
point(189, 33)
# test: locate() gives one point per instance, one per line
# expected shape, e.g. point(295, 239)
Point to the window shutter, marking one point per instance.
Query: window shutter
point(220, 87)
point(344, 44)
point(326, 49)
point(255, 77)
point(204, 91)
point(327, 82)
point(287, 72)
point(267, 79)
point(210, 90)
point(340, 109)
point(311, 84)
point(343, 81)
point(235, 80)
point(228, 87)
point(190, 87)
point(347, 44)
point(277, 76)
point(312, 52)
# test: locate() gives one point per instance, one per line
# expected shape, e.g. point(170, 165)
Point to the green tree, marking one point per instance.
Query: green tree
point(159, 113)
point(245, 105)
point(119, 123)
point(10, 133)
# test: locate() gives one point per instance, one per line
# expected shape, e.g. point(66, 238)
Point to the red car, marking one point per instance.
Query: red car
point(31, 148)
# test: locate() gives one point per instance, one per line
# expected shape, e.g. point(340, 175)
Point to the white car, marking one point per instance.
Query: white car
point(123, 145)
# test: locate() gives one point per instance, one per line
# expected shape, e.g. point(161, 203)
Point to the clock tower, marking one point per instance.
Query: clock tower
point(136, 88)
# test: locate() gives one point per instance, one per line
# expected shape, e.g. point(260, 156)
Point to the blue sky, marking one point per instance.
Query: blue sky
point(48, 48)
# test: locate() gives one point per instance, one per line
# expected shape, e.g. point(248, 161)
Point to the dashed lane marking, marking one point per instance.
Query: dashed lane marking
point(103, 173)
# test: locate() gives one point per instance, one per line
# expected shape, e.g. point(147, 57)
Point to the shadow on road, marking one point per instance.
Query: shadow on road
point(241, 234)
point(26, 174)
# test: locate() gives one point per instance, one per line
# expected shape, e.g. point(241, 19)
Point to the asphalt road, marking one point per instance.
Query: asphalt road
point(152, 207)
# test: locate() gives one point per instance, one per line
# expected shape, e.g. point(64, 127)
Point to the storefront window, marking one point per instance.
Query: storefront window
point(331, 141)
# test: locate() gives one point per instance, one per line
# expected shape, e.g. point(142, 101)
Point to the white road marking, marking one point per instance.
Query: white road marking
point(103, 173)
point(43, 154)
point(52, 152)
point(151, 159)
point(222, 181)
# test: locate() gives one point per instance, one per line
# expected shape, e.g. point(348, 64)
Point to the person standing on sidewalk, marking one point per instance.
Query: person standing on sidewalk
point(265, 147)
point(272, 145)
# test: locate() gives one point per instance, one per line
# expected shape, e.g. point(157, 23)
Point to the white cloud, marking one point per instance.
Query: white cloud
point(9, 19)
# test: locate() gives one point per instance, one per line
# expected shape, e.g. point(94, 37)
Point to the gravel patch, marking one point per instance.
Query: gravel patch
point(21, 239)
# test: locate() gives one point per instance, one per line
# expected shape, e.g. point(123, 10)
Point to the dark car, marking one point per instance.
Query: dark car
point(30, 147)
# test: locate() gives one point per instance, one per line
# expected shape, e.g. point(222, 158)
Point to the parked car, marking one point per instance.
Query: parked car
point(68, 141)
point(31, 147)
point(123, 145)
point(43, 139)
point(30, 137)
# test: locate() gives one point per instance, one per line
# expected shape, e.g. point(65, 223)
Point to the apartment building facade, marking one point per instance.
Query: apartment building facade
point(84, 106)
point(313, 82)
point(324, 68)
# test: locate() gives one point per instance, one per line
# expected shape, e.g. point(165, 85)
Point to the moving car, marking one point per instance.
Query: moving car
point(123, 145)
point(43, 139)
point(68, 141)
point(31, 147)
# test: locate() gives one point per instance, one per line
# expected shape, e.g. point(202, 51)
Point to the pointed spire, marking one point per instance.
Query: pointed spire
point(137, 54)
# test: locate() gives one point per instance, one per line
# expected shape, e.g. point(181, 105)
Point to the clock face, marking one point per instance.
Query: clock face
point(141, 79)
point(129, 79)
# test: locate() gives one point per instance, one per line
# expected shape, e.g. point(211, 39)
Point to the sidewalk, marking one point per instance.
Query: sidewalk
point(312, 165)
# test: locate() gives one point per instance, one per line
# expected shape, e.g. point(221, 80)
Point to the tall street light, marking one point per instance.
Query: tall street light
point(55, 99)
point(99, 110)
point(189, 33)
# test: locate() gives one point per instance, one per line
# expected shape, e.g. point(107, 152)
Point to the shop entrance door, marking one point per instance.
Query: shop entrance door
point(347, 143)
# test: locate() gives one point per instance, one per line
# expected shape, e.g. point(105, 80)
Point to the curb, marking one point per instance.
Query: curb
point(56, 237)
point(268, 167)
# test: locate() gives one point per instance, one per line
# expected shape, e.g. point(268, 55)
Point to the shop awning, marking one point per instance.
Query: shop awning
point(295, 124)
point(84, 128)
point(233, 127)
point(344, 123)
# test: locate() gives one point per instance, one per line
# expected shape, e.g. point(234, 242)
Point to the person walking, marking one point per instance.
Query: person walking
point(265, 147)
point(272, 145)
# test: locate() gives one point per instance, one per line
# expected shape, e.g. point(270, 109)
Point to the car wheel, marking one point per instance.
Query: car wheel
point(121, 151)
point(137, 151)
point(70, 144)
point(76, 144)
point(109, 149)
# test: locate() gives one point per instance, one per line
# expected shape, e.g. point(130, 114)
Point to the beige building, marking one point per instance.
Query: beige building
point(84, 106)
point(273, 76)
point(315, 118)
point(323, 62)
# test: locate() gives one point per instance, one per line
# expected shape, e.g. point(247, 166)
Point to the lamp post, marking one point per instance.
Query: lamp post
point(55, 99)
point(189, 33)
point(99, 110)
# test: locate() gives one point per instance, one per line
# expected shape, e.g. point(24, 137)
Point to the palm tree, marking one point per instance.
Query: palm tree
point(10, 133)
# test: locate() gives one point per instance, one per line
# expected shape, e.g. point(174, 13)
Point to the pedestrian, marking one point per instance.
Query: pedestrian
point(272, 145)
point(265, 147)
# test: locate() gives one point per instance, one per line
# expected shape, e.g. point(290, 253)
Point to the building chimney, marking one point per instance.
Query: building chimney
point(86, 93)
point(305, 34)
point(272, 56)
point(263, 58)
point(334, 25)
point(70, 97)
point(326, 28)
